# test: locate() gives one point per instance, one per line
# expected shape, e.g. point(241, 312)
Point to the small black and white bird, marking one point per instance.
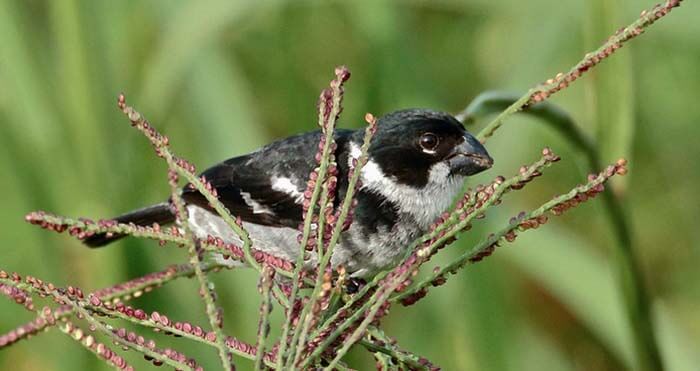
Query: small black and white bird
point(418, 161)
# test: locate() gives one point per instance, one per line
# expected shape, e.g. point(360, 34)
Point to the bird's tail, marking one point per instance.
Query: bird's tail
point(158, 213)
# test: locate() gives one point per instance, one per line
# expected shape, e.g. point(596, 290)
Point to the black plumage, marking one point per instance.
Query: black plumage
point(413, 151)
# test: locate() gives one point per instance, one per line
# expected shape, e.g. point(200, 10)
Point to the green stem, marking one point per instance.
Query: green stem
point(637, 300)
point(496, 238)
point(403, 357)
point(118, 340)
point(160, 144)
point(337, 230)
point(344, 325)
point(266, 284)
point(205, 286)
point(379, 299)
point(561, 81)
point(494, 125)
point(328, 128)
point(147, 322)
point(76, 333)
point(423, 254)
point(299, 336)
point(136, 287)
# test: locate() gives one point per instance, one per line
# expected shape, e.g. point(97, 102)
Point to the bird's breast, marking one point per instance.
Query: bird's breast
point(362, 253)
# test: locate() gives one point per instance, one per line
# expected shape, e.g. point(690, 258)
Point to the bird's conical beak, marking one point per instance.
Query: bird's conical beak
point(469, 157)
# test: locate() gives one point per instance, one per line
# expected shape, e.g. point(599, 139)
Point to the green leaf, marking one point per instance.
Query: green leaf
point(584, 283)
point(610, 88)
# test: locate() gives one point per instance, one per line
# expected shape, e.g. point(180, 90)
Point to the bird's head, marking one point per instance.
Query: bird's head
point(419, 158)
point(413, 145)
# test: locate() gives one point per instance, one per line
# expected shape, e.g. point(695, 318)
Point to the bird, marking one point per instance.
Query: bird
point(417, 163)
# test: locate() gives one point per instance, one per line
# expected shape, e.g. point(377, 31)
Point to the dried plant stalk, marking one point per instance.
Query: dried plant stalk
point(322, 323)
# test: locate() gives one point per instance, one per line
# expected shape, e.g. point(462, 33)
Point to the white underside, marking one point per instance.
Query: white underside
point(362, 255)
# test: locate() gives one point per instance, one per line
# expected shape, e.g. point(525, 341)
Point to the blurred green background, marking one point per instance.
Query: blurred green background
point(224, 77)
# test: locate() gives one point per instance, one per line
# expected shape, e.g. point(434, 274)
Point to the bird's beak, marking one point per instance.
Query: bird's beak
point(469, 157)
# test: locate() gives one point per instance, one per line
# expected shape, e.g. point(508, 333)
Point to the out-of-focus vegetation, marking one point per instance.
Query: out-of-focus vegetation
point(221, 78)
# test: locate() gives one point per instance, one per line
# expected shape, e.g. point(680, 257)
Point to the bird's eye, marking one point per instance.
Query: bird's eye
point(429, 141)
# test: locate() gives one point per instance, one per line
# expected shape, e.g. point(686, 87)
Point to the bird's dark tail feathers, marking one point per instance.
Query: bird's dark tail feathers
point(159, 213)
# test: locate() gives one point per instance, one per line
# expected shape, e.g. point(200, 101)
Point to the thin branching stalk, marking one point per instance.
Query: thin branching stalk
point(307, 314)
point(638, 304)
point(377, 301)
point(266, 282)
point(24, 331)
point(329, 109)
point(319, 329)
point(235, 224)
point(526, 221)
point(379, 342)
point(397, 278)
point(120, 292)
point(354, 175)
point(637, 301)
point(161, 322)
point(520, 223)
point(421, 254)
point(187, 170)
point(72, 302)
point(90, 343)
point(82, 228)
point(561, 81)
point(206, 287)
point(107, 330)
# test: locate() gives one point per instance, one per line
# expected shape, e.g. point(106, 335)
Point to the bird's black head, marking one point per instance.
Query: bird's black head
point(418, 146)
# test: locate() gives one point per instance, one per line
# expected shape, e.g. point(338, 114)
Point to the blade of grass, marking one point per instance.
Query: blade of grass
point(610, 91)
point(679, 350)
point(25, 80)
point(74, 88)
point(591, 294)
point(629, 273)
point(611, 104)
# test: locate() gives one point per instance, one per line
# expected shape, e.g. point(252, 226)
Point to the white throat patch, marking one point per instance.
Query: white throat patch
point(425, 204)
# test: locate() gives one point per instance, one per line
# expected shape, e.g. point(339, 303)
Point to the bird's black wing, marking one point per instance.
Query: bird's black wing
point(266, 187)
